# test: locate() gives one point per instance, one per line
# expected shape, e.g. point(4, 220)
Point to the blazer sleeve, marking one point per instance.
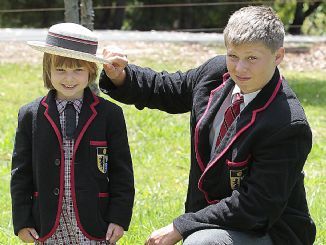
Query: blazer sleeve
point(21, 185)
point(170, 92)
point(121, 178)
point(261, 199)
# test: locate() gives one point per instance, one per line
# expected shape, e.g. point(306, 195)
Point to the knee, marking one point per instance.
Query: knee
point(208, 237)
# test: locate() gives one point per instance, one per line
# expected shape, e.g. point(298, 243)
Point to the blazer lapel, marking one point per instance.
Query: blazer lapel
point(51, 112)
point(85, 112)
point(202, 130)
point(248, 116)
point(86, 116)
point(246, 119)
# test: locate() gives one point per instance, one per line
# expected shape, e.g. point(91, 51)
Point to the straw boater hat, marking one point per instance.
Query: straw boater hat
point(70, 40)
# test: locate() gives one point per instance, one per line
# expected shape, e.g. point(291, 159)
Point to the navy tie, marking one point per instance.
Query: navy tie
point(70, 120)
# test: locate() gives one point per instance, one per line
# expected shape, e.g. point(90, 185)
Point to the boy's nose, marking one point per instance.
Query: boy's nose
point(241, 66)
point(69, 75)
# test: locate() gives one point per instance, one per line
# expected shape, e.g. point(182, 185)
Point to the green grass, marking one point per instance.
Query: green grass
point(160, 149)
point(311, 90)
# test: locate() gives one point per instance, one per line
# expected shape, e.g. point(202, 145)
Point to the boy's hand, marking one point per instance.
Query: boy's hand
point(114, 233)
point(28, 235)
point(115, 69)
point(167, 235)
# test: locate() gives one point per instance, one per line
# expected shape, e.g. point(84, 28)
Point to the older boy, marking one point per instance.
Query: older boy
point(246, 184)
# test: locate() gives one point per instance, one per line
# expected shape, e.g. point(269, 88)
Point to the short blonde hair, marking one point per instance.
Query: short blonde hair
point(255, 24)
point(51, 60)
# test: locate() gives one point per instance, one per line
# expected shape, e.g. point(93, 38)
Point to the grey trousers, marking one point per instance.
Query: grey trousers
point(226, 237)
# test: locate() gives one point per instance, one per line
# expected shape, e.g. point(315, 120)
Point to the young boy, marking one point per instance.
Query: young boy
point(72, 177)
point(249, 138)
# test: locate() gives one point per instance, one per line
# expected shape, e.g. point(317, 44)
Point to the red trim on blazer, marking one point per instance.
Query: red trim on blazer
point(98, 143)
point(58, 134)
point(217, 158)
point(103, 194)
point(238, 164)
point(199, 160)
point(72, 179)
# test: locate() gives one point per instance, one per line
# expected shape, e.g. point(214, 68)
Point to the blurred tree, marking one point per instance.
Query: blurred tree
point(119, 14)
point(315, 24)
point(87, 14)
point(37, 19)
point(72, 11)
point(80, 12)
point(302, 11)
point(111, 17)
point(181, 17)
point(305, 14)
point(302, 17)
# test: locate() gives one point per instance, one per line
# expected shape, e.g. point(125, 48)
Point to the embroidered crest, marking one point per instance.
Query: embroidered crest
point(236, 176)
point(102, 159)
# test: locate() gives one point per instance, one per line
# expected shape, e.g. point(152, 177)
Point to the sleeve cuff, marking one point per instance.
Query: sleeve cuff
point(108, 87)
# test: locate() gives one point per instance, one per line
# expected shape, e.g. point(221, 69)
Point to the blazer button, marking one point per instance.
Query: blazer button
point(56, 191)
point(57, 162)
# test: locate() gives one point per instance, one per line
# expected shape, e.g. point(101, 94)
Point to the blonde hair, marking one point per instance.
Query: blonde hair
point(255, 24)
point(51, 60)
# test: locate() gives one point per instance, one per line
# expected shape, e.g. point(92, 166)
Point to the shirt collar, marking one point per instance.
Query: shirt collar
point(61, 104)
point(247, 98)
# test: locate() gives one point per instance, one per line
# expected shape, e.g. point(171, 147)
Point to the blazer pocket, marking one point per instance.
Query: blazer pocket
point(103, 202)
point(237, 172)
point(99, 157)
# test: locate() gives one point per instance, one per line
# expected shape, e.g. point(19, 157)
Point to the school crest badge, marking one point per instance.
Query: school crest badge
point(236, 176)
point(102, 159)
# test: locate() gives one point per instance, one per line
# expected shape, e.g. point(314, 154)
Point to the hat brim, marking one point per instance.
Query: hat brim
point(43, 47)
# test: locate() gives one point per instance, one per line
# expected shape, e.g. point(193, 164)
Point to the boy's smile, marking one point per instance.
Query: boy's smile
point(69, 82)
point(252, 65)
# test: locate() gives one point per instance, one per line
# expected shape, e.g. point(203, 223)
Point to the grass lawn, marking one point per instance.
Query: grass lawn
point(160, 149)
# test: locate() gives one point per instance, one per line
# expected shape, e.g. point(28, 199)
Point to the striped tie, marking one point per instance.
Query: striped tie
point(230, 114)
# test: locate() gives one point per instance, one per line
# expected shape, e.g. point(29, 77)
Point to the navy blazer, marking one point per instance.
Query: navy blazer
point(37, 183)
point(254, 180)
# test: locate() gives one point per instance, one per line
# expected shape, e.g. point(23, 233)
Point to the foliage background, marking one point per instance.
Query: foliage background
point(136, 17)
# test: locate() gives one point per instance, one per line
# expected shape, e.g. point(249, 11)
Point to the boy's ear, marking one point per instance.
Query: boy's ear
point(279, 55)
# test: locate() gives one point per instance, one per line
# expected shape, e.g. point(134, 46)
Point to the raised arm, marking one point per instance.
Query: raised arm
point(144, 87)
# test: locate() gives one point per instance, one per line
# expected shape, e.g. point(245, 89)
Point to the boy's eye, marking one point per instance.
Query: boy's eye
point(59, 69)
point(232, 56)
point(79, 69)
point(252, 58)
